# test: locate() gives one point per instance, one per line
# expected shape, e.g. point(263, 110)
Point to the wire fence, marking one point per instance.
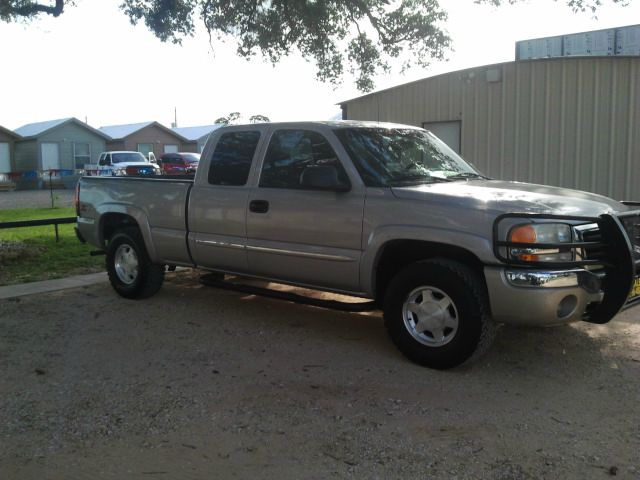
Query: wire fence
point(37, 223)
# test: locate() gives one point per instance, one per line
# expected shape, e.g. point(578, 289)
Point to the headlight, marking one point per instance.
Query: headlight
point(544, 234)
point(119, 171)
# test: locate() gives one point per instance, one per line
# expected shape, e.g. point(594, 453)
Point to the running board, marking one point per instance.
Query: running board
point(213, 280)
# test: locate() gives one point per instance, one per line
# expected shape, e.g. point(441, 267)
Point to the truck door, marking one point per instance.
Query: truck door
point(299, 233)
point(218, 204)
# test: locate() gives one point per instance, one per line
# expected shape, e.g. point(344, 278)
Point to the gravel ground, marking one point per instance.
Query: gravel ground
point(204, 383)
point(35, 199)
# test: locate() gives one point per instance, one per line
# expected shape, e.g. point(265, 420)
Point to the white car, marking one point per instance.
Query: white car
point(123, 163)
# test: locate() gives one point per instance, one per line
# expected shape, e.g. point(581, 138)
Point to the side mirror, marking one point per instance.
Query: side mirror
point(323, 177)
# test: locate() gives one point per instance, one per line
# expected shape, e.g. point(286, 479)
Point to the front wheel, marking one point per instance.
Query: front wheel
point(131, 273)
point(436, 312)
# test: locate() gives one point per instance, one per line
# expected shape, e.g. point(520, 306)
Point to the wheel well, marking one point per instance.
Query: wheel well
point(112, 222)
point(398, 254)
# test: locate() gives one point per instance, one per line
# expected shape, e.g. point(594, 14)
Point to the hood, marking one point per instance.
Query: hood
point(132, 164)
point(511, 197)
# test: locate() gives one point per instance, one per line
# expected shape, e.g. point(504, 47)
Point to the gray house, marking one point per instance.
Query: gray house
point(65, 144)
point(147, 137)
point(197, 134)
point(7, 141)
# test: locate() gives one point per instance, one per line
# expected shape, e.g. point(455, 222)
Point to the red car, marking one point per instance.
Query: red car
point(179, 163)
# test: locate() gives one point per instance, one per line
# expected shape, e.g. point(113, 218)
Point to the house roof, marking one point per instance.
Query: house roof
point(36, 129)
point(195, 133)
point(6, 131)
point(118, 132)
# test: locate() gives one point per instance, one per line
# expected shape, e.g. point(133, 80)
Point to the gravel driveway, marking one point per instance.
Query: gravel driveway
point(204, 383)
point(35, 199)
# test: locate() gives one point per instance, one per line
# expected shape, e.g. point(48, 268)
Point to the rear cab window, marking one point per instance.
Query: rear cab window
point(232, 158)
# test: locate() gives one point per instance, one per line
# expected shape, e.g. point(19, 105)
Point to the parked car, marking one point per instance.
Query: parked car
point(124, 163)
point(380, 211)
point(179, 163)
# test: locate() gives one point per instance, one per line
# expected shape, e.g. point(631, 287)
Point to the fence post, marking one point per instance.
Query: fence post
point(51, 193)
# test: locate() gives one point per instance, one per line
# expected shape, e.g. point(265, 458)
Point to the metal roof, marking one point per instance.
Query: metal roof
point(36, 129)
point(6, 131)
point(121, 131)
point(118, 132)
point(195, 133)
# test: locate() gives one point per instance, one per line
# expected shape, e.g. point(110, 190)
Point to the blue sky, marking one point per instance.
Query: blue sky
point(91, 63)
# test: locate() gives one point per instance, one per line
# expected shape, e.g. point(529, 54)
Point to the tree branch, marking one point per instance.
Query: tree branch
point(35, 8)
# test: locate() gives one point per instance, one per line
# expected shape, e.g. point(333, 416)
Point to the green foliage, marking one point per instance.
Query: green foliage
point(235, 117)
point(360, 36)
point(35, 254)
point(229, 119)
point(575, 5)
point(259, 119)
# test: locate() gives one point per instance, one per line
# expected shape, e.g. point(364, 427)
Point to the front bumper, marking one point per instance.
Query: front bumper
point(545, 293)
point(541, 297)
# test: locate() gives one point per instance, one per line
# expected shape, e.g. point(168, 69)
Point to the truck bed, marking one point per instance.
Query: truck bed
point(158, 205)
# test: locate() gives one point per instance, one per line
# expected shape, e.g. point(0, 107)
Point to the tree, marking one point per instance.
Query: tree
point(364, 35)
point(234, 117)
point(259, 119)
point(229, 119)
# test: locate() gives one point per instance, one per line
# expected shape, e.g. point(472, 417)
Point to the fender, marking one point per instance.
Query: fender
point(478, 245)
point(138, 214)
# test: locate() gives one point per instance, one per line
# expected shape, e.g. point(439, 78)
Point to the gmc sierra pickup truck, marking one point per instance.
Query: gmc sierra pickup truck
point(380, 211)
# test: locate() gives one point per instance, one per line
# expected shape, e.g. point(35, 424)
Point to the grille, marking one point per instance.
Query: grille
point(593, 253)
point(631, 225)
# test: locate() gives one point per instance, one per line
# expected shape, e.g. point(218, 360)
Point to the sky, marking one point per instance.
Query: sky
point(92, 64)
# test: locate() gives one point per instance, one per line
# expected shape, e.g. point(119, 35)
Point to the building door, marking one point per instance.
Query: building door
point(50, 156)
point(5, 161)
point(448, 132)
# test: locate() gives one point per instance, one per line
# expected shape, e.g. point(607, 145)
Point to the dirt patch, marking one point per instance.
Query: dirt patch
point(203, 383)
point(15, 250)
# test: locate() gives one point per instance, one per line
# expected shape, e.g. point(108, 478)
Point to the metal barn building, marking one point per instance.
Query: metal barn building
point(570, 121)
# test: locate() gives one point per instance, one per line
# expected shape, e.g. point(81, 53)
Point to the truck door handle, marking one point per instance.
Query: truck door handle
point(259, 206)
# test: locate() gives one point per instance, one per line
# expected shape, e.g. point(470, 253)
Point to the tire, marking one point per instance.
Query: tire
point(131, 273)
point(436, 312)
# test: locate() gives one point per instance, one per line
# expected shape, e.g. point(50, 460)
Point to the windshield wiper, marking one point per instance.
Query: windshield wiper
point(415, 180)
point(466, 175)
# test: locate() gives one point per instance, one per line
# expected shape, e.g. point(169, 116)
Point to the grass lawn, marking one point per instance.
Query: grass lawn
point(30, 254)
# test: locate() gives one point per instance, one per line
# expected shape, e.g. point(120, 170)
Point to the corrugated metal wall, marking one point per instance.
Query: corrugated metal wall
point(571, 122)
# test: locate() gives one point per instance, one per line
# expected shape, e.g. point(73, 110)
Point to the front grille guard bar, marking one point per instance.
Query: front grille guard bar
point(618, 262)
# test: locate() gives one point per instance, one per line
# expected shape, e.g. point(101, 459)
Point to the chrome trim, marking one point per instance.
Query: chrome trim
point(295, 253)
point(543, 279)
point(214, 243)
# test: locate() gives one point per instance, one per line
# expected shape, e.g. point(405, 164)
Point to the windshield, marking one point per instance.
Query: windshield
point(122, 157)
point(395, 157)
point(191, 157)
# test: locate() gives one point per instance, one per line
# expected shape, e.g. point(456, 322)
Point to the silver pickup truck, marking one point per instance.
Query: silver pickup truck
point(380, 211)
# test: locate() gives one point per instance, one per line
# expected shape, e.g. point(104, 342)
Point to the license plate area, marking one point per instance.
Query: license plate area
point(635, 288)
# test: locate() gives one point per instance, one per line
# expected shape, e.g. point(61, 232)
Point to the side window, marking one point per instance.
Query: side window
point(103, 160)
point(231, 160)
point(290, 152)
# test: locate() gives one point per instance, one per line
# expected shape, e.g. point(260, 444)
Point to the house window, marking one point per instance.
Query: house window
point(170, 148)
point(145, 149)
point(81, 154)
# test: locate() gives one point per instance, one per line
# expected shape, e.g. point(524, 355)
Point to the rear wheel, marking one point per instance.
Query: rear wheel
point(130, 270)
point(436, 312)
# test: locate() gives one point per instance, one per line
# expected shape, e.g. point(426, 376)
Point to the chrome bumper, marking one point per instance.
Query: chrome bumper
point(541, 297)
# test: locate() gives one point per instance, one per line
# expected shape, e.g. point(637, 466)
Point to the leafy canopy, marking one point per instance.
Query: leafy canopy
point(361, 36)
point(235, 117)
